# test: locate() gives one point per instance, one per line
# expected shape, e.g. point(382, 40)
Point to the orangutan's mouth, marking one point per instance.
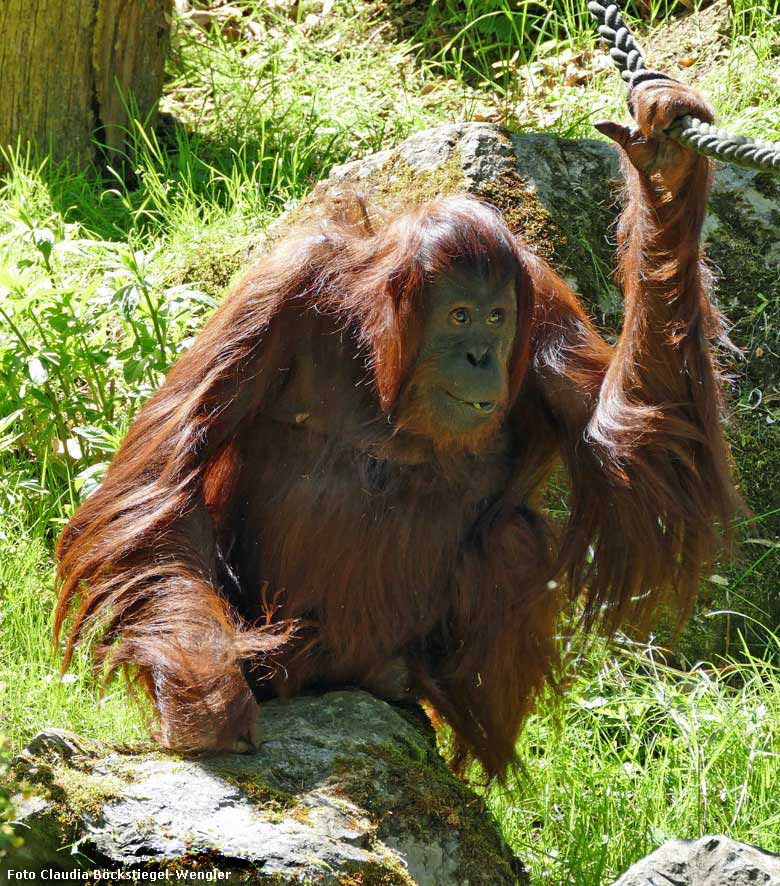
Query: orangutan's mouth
point(480, 405)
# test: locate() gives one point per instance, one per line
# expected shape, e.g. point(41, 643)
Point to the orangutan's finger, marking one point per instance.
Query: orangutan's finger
point(639, 151)
point(619, 133)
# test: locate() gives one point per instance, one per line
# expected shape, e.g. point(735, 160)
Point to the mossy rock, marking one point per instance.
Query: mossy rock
point(345, 790)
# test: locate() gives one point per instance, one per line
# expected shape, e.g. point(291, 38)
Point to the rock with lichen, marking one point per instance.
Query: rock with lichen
point(708, 861)
point(344, 789)
point(563, 196)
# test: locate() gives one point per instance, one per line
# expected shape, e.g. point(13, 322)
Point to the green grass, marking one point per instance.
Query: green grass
point(105, 277)
point(548, 70)
point(639, 753)
point(33, 693)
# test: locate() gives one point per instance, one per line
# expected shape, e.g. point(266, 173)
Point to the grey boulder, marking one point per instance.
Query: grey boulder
point(343, 787)
point(709, 861)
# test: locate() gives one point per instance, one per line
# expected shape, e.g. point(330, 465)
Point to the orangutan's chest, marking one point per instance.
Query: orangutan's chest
point(325, 524)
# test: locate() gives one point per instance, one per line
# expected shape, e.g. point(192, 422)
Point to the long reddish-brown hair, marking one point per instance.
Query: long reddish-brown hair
point(179, 453)
point(638, 428)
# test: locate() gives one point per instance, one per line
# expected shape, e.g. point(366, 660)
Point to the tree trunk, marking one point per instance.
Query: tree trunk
point(70, 70)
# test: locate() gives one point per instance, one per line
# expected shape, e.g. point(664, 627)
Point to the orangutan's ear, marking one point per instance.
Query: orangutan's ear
point(397, 329)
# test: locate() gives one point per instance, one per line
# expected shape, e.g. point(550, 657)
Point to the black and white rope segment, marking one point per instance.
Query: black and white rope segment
point(705, 138)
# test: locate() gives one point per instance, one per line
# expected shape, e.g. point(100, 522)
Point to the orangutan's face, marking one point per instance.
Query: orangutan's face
point(461, 378)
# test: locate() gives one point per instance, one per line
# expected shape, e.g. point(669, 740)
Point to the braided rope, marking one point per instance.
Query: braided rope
point(704, 138)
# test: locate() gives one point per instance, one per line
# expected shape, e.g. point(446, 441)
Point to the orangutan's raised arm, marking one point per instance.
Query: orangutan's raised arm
point(640, 426)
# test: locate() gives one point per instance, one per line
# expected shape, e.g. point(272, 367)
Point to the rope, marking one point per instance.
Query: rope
point(704, 138)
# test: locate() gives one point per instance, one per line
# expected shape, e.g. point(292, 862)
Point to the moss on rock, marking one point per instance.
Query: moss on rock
point(345, 790)
point(526, 215)
point(395, 186)
point(398, 185)
point(389, 872)
point(214, 268)
point(431, 806)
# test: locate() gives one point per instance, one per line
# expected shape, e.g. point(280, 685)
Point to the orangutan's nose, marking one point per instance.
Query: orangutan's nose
point(478, 355)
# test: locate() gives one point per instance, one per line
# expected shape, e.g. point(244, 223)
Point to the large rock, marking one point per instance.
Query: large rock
point(710, 861)
point(344, 789)
point(563, 196)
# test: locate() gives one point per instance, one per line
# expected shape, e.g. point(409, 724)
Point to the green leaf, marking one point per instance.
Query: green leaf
point(133, 369)
point(43, 238)
point(41, 397)
point(98, 438)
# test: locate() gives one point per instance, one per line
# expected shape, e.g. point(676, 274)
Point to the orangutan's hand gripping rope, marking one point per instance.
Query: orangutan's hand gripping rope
point(704, 138)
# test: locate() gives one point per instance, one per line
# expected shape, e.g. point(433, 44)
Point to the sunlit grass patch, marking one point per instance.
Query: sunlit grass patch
point(546, 69)
point(637, 753)
point(33, 693)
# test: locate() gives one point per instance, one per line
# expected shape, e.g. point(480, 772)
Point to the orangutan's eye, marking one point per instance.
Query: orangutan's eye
point(460, 316)
point(496, 317)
